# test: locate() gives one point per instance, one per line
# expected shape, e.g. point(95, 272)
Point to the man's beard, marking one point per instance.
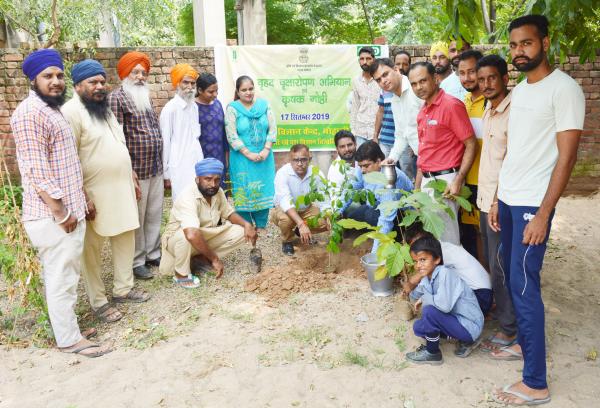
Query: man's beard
point(531, 64)
point(441, 69)
point(471, 89)
point(55, 102)
point(97, 109)
point(348, 157)
point(455, 61)
point(187, 96)
point(365, 67)
point(139, 93)
point(208, 192)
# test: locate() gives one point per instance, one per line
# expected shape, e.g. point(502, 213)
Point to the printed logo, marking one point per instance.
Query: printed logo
point(528, 216)
point(432, 122)
point(303, 58)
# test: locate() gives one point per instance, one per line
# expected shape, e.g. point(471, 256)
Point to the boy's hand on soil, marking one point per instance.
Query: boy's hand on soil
point(305, 234)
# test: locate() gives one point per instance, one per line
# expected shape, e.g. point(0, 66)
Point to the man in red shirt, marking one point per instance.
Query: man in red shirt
point(447, 143)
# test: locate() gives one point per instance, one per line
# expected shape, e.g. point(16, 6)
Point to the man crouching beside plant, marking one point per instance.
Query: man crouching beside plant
point(450, 308)
point(203, 226)
point(369, 157)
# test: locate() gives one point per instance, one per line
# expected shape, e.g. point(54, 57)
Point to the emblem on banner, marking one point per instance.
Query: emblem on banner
point(303, 58)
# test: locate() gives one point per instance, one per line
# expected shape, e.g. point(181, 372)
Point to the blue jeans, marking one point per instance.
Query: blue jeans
point(523, 264)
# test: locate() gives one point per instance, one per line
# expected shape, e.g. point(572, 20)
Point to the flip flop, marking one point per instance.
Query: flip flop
point(107, 310)
point(89, 333)
point(485, 347)
point(527, 400)
point(79, 350)
point(182, 282)
point(513, 355)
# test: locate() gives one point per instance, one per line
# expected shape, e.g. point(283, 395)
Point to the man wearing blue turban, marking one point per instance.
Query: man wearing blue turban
point(110, 187)
point(53, 199)
point(202, 227)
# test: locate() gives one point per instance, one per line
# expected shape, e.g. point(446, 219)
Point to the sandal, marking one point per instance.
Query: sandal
point(79, 350)
point(89, 333)
point(512, 354)
point(187, 283)
point(105, 312)
point(494, 343)
point(527, 400)
point(134, 296)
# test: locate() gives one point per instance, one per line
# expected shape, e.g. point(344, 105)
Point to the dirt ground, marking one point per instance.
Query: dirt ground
point(310, 337)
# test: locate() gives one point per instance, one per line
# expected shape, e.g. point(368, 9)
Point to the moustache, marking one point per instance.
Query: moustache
point(101, 92)
point(489, 90)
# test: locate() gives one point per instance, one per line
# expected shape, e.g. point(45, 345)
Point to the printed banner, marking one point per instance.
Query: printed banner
point(307, 86)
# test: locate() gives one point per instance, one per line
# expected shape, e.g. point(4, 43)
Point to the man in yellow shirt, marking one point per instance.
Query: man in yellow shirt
point(202, 225)
point(475, 104)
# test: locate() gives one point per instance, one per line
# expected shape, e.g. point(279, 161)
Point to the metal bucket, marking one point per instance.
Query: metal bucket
point(381, 287)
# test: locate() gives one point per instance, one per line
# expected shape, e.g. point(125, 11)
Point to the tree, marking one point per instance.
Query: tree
point(573, 24)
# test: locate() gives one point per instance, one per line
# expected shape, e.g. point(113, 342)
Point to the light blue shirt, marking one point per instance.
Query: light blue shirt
point(452, 86)
point(448, 293)
point(385, 221)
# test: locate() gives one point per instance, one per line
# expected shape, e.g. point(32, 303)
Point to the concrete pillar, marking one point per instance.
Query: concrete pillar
point(255, 22)
point(209, 23)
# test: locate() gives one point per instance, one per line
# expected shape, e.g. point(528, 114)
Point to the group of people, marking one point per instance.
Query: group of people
point(96, 167)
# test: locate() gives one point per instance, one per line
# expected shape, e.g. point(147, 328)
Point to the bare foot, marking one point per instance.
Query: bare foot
point(86, 348)
point(491, 345)
point(511, 396)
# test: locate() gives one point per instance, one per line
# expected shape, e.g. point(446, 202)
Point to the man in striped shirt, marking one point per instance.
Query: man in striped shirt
point(54, 206)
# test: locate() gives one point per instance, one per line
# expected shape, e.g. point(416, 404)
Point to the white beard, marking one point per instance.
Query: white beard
point(187, 96)
point(140, 95)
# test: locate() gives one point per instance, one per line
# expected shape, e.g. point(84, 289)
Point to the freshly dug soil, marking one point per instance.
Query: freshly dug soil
point(309, 270)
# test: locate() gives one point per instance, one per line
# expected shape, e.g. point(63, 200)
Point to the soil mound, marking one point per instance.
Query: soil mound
point(309, 270)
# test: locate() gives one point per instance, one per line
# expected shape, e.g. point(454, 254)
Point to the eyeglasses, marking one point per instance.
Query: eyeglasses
point(302, 160)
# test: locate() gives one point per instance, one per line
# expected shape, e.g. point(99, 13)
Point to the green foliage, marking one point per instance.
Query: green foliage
point(413, 206)
point(574, 24)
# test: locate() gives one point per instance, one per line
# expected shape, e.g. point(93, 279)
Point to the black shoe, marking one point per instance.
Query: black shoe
point(142, 272)
point(463, 349)
point(422, 356)
point(287, 248)
point(154, 262)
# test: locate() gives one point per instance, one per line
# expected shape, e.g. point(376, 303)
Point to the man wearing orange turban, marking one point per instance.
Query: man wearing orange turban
point(130, 60)
point(180, 131)
point(133, 108)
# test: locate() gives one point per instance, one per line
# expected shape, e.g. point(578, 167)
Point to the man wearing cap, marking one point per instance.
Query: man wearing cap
point(110, 189)
point(446, 78)
point(202, 225)
point(53, 200)
point(133, 108)
point(181, 131)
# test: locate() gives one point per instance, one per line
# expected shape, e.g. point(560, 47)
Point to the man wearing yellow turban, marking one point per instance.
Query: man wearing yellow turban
point(447, 79)
point(180, 130)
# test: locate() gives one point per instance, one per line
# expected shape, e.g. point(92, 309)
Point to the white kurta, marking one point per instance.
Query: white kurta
point(180, 130)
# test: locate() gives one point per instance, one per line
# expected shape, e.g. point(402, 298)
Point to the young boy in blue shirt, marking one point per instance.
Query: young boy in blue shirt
point(450, 307)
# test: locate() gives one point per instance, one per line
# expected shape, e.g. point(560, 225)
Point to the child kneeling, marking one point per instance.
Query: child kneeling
point(450, 308)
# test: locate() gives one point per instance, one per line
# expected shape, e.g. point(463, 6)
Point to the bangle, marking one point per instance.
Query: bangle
point(64, 219)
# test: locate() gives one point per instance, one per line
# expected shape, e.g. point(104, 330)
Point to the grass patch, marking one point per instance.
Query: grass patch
point(399, 340)
point(354, 358)
point(314, 336)
point(145, 335)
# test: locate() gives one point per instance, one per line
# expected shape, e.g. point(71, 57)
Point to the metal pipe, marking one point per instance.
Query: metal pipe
point(239, 8)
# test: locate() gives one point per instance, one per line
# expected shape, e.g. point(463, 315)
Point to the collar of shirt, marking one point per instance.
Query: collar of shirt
point(366, 81)
point(291, 173)
point(436, 102)
point(502, 106)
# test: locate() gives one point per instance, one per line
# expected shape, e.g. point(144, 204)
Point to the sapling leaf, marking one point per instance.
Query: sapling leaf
point(380, 272)
point(409, 218)
point(464, 203)
point(371, 198)
point(360, 239)
point(375, 177)
point(438, 185)
point(300, 201)
point(395, 261)
point(465, 192)
point(405, 252)
point(349, 223)
point(313, 222)
point(432, 223)
point(387, 207)
point(332, 247)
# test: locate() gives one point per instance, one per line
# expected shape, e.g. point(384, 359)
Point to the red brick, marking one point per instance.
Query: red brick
point(13, 57)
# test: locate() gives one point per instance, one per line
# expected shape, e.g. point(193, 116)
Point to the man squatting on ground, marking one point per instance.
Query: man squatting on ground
point(202, 225)
point(110, 187)
point(133, 109)
point(53, 200)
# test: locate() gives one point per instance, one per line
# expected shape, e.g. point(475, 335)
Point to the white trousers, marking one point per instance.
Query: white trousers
point(60, 256)
point(451, 233)
point(150, 206)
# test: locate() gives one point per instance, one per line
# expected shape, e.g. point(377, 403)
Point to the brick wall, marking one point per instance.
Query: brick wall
point(14, 87)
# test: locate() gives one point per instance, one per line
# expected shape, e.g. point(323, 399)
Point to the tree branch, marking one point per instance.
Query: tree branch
point(23, 27)
point(56, 32)
point(368, 21)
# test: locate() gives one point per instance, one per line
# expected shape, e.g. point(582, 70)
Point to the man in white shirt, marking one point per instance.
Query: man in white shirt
point(446, 77)
point(292, 181)
point(405, 107)
point(180, 130)
point(544, 127)
point(341, 168)
point(365, 93)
